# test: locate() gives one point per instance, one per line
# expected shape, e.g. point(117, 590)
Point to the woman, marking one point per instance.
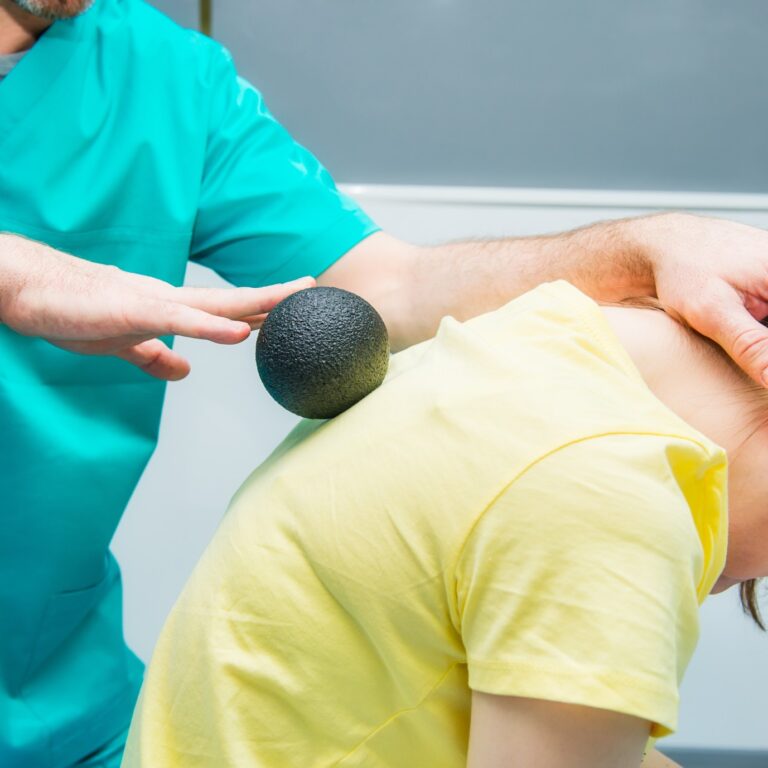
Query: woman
point(495, 559)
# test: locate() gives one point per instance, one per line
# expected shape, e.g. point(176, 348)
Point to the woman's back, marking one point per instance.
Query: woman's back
point(513, 512)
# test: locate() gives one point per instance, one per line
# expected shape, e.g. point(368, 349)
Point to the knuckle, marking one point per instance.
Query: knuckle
point(702, 310)
point(180, 320)
point(750, 346)
point(153, 361)
point(174, 317)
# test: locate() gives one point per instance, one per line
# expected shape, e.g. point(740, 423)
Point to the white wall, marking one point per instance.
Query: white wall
point(219, 424)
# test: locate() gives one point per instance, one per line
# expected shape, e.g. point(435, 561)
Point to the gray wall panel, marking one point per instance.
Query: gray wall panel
point(703, 758)
point(552, 93)
point(185, 12)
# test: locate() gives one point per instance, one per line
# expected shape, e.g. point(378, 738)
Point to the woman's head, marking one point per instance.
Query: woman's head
point(699, 382)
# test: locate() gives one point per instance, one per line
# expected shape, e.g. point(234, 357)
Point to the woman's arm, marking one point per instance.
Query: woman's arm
point(509, 731)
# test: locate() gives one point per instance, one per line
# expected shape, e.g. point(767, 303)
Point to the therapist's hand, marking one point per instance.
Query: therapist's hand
point(711, 272)
point(95, 309)
point(714, 274)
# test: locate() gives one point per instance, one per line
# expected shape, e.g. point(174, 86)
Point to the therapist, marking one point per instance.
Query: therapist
point(129, 146)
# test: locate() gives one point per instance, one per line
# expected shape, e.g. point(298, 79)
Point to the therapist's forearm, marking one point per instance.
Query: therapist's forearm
point(709, 272)
point(415, 287)
point(464, 279)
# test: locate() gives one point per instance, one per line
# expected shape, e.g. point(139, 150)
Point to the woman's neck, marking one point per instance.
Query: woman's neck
point(704, 389)
point(686, 374)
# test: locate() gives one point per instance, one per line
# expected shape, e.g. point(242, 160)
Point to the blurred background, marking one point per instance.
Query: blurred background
point(450, 119)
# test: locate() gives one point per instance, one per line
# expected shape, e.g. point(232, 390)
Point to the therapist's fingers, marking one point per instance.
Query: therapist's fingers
point(238, 303)
point(233, 303)
point(720, 313)
point(59, 297)
point(156, 359)
point(211, 313)
point(151, 355)
point(255, 321)
point(151, 318)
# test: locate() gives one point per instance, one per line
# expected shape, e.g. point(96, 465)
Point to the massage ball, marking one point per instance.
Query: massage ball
point(321, 350)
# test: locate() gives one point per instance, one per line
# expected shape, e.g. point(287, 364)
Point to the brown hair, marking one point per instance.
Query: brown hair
point(750, 602)
point(748, 590)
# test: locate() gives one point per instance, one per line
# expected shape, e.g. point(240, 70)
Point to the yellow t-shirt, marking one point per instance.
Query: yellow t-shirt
point(512, 511)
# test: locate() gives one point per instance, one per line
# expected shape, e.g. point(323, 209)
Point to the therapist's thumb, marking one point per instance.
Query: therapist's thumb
point(155, 358)
point(722, 316)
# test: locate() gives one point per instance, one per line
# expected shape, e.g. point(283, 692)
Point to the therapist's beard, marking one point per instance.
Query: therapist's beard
point(54, 9)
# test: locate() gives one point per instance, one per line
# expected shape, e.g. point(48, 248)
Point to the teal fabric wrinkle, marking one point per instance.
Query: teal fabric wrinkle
point(260, 220)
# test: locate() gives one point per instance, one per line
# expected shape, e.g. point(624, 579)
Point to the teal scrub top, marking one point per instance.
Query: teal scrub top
point(125, 140)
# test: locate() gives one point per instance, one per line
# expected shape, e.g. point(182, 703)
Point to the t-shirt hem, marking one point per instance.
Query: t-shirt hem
point(602, 689)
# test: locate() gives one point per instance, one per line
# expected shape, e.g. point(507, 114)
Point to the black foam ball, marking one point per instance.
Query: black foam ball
point(321, 350)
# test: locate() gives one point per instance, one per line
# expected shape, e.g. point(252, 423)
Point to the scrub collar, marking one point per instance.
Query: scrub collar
point(39, 69)
point(8, 61)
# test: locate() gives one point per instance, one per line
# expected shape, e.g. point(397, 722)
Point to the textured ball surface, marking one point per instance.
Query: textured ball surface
point(321, 350)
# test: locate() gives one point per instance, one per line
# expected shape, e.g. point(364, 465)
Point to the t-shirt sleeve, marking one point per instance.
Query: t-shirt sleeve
point(579, 583)
point(268, 210)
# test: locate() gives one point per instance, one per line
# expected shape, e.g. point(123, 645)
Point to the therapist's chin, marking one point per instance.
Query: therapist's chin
point(53, 10)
